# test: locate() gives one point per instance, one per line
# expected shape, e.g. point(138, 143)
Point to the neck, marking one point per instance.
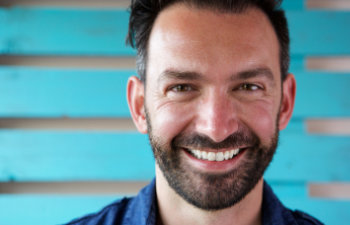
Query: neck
point(174, 210)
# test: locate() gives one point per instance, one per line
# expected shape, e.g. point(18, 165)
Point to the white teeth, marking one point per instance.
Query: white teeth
point(232, 153)
point(219, 156)
point(198, 154)
point(204, 155)
point(212, 156)
point(227, 155)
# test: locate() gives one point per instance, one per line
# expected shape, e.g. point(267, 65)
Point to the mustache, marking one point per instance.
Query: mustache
point(235, 140)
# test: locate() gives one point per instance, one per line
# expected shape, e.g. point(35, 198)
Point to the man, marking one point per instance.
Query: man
point(213, 93)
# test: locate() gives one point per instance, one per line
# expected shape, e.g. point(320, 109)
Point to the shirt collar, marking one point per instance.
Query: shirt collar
point(143, 208)
point(273, 211)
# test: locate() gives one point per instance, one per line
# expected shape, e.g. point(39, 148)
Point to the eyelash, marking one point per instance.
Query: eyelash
point(180, 88)
point(248, 87)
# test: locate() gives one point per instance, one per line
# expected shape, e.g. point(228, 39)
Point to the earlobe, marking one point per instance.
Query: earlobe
point(288, 99)
point(135, 97)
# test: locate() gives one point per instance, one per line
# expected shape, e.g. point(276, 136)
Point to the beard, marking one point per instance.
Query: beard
point(213, 191)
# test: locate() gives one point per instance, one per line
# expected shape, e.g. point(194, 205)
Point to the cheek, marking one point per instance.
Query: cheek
point(169, 120)
point(261, 118)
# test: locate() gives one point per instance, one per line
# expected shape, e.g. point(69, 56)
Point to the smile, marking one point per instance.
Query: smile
point(214, 156)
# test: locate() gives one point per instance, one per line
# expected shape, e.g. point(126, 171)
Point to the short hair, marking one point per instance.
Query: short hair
point(143, 14)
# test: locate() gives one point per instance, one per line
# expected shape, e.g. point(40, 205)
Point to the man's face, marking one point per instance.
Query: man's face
point(212, 101)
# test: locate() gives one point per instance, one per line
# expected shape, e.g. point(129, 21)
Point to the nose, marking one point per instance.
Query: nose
point(217, 116)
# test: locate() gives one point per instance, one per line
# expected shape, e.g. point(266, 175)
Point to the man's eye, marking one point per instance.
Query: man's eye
point(249, 87)
point(181, 88)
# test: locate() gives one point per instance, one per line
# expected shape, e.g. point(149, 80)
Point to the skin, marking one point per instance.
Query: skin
point(197, 81)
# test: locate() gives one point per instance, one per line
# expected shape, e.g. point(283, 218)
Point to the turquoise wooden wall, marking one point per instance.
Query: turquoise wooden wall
point(78, 155)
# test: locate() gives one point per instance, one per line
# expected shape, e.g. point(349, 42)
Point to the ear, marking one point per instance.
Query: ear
point(287, 103)
point(135, 97)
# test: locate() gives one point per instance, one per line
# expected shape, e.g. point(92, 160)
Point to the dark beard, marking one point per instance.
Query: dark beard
point(213, 191)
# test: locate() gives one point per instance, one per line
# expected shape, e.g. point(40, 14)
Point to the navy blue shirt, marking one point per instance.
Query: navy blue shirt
point(142, 210)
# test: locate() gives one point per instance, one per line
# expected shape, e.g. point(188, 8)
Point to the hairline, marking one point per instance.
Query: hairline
point(214, 9)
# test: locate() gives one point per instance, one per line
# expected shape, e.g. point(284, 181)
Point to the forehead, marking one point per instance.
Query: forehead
point(188, 38)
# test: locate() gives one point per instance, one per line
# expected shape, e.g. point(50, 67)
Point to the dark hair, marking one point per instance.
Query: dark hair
point(143, 13)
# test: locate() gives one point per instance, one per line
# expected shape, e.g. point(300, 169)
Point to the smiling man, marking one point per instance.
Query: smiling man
point(213, 92)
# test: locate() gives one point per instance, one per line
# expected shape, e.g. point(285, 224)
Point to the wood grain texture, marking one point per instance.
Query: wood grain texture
point(339, 190)
point(335, 64)
point(73, 188)
point(43, 31)
point(69, 62)
point(69, 124)
point(338, 126)
point(44, 93)
point(293, 4)
point(72, 156)
point(319, 32)
point(36, 33)
point(49, 93)
point(50, 31)
point(51, 209)
point(68, 3)
point(328, 4)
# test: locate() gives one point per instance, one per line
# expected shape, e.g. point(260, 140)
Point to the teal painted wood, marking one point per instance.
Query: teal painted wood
point(30, 92)
point(294, 195)
point(43, 31)
point(54, 156)
point(322, 94)
point(289, 189)
point(62, 156)
point(63, 31)
point(38, 209)
point(293, 4)
point(328, 211)
point(302, 158)
point(319, 32)
point(48, 209)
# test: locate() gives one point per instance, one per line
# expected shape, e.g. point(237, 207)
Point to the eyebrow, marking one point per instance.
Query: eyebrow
point(243, 75)
point(258, 72)
point(179, 75)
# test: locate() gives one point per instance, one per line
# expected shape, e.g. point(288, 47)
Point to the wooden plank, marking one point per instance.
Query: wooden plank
point(51, 156)
point(50, 31)
point(322, 94)
point(71, 156)
point(30, 92)
point(289, 189)
point(338, 64)
point(327, 211)
point(319, 32)
point(293, 4)
point(295, 195)
point(46, 209)
point(49, 209)
point(33, 92)
point(302, 158)
point(106, 4)
point(328, 4)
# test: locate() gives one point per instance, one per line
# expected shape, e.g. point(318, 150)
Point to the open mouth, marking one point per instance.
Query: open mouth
point(215, 156)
